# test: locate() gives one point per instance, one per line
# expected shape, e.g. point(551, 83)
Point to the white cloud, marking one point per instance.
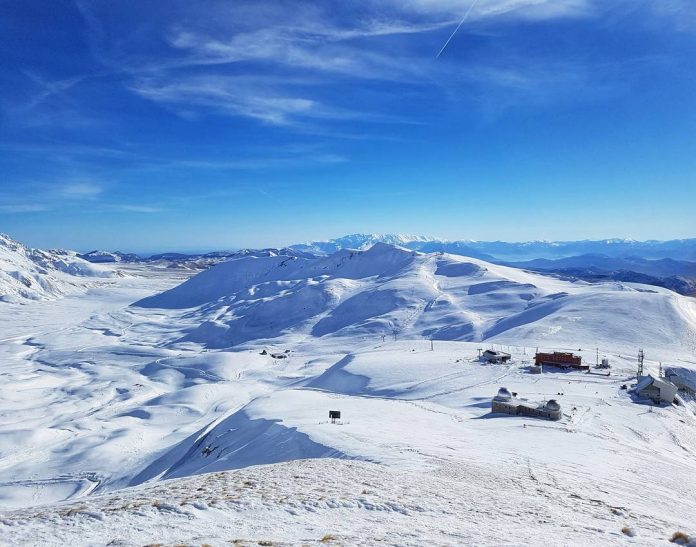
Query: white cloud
point(80, 190)
point(23, 208)
point(532, 9)
point(253, 98)
point(146, 209)
point(215, 61)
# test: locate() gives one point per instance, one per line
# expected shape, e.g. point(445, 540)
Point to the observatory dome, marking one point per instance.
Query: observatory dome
point(503, 394)
point(553, 405)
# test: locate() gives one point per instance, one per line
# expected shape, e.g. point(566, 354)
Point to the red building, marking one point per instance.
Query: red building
point(561, 360)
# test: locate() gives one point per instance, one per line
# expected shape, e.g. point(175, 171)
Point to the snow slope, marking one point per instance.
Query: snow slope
point(323, 502)
point(32, 274)
point(388, 291)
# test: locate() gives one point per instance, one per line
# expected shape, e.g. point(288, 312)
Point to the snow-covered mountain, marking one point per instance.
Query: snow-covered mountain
point(198, 261)
point(678, 249)
point(106, 257)
point(659, 263)
point(33, 274)
point(361, 242)
point(388, 290)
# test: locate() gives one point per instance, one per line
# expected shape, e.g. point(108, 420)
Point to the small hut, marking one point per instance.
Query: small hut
point(494, 356)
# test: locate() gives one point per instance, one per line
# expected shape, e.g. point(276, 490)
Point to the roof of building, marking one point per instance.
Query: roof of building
point(553, 405)
point(496, 352)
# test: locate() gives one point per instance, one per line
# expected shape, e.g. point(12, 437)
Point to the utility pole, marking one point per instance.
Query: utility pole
point(432, 348)
point(641, 357)
point(597, 361)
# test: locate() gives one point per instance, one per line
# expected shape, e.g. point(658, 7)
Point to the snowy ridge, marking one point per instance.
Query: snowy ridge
point(389, 290)
point(33, 274)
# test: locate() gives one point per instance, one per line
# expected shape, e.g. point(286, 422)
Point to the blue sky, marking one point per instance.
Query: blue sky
point(179, 125)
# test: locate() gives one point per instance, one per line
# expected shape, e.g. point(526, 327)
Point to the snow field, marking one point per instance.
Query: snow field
point(97, 395)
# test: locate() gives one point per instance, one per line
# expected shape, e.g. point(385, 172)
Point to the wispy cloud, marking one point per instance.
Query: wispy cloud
point(539, 9)
point(300, 48)
point(18, 208)
point(231, 95)
point(145, 209)
point(80, 190)
point(49, 196)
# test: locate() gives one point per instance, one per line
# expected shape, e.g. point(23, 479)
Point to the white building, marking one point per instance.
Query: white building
point(657, 389)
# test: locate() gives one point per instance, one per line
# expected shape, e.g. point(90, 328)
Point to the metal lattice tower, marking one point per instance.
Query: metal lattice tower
point(641, 357)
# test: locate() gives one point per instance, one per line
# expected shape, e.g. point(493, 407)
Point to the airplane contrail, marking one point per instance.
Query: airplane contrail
point(466, 15)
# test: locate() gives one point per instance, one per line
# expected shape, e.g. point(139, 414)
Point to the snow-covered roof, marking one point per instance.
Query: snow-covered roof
point(553, 404)
point(503, 394)
point(645, 381)
point(495, 352)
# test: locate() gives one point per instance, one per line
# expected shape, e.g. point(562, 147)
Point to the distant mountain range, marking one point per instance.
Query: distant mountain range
point(683, 250)
point(602, 263)
point(677, 249)
point(676, 275)
point(659, 263)
point(670, 264)
point(189, 261)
